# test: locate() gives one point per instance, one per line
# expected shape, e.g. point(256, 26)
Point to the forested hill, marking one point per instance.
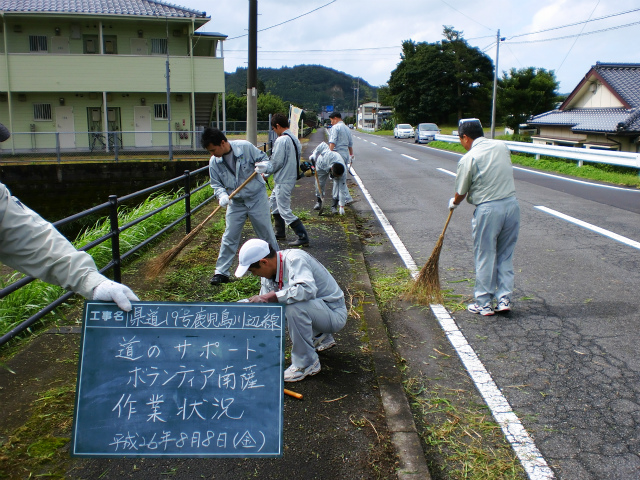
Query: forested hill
point(311, 87)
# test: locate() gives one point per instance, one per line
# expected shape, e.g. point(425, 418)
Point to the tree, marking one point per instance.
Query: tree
point(270, 104)
point(236, 106)
point(442, 81)
point(525, 92)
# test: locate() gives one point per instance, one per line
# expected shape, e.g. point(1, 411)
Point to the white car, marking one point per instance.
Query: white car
point(403, 130)
point(426, 132)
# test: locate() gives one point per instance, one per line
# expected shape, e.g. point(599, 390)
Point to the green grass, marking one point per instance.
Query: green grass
point(460, 433)
point(28, 300)
point(598, 172)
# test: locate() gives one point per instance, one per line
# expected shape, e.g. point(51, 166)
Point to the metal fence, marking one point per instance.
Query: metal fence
point(110, 209)
point(581, 155)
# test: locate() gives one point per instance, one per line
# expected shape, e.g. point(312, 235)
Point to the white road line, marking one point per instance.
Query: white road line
point(374, 144)
point(530, 457)
point(388, 149)
point(588, 226)
point(583, 182)
point(448, 172)
point(410, 158)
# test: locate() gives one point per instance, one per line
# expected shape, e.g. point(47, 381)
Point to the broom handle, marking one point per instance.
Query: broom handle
point(447, 223)
point(231, 195)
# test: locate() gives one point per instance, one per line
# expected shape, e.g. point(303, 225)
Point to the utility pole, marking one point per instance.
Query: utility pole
point(252, 74)
point(358, 102)
point(495, 87)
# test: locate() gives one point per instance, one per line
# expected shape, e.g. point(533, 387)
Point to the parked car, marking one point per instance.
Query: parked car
point(403, 130)
point(426, 132)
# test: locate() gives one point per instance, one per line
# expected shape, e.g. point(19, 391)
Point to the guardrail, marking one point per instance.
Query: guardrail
point(117, 258)
point(621, 159)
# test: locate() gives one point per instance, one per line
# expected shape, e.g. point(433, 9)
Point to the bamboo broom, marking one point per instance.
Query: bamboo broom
point(426, 288)
point(161, 262)
point(320, 192)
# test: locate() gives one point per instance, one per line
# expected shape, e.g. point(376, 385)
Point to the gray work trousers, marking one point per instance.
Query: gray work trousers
point(307, 319)
point(280, 202)
point(494, 227)
point(237, 214)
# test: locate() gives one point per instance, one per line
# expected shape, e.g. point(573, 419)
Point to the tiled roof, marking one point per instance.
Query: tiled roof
point(142, 8)
point(624, 78)
point(591, 119)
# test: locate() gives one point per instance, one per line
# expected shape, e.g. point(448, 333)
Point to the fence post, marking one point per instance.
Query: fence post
point(115, 239)
point(187, 200)
point(58, 146)
point(115, 144)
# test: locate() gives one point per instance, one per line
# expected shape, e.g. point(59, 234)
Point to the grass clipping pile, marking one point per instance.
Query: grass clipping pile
point(426, 288)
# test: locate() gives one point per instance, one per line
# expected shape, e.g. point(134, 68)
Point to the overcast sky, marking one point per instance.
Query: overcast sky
point(363, 37)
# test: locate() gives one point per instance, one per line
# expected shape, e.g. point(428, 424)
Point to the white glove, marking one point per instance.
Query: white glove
point(223, 201)
point(244, 300)
point(351, 158)
point(451, 204)
point(341, 210)
point(109, 291)
point(261, 167)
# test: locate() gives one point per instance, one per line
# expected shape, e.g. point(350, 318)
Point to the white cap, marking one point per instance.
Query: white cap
point(252, 251)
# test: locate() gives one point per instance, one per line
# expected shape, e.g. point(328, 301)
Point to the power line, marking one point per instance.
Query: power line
point(576, 35)
point(576, 40)
point(286, 21)
point(465, 15)
point(576, 23)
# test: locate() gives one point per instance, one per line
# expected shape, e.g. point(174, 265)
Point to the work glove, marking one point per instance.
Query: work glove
point(109, 291)
point(223, 201)
point(270, 297)
point(261, 167)
point(351, 158)
point(451, 204)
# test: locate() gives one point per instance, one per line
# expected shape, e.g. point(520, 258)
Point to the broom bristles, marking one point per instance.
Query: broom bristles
point(426, 288)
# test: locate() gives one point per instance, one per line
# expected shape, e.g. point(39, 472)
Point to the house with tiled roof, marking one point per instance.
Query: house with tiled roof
point(101, 74)
point(602, 112)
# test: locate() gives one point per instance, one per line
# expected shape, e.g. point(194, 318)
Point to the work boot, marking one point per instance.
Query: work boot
point(318, 205)
point(281, 234)
point(303, 238)
point(218, 279)
point(334, 207)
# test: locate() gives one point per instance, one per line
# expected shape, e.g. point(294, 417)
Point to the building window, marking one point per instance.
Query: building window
point(158, 46)
point(42, 111)
point(160, 111)
point(38, 43)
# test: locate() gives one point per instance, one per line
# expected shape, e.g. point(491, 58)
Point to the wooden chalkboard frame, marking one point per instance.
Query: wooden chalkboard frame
point(180, 380)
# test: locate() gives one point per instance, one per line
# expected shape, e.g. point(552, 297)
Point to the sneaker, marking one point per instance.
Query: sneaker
point(504, 305)
point(323, 342)
point(485, 310)
point(219, 278)
point(341, 210)
point(318, 204)
point(293, 374)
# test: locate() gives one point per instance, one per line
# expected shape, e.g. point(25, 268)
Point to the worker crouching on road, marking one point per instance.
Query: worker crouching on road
point(330, 164)
point(315, 306)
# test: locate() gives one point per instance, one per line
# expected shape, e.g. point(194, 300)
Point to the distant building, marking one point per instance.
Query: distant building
point(91, 74)
point(602, 112)
point(372, 114)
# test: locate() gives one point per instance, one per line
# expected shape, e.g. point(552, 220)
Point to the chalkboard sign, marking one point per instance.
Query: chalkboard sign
point(180, 380)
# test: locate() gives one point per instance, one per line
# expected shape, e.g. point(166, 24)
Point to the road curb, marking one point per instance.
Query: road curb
point(404, 435)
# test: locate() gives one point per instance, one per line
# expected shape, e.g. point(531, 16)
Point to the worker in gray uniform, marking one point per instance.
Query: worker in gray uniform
point(330, 164)
point(233, 162)
point(485, 178)
point(315, 305)
point(340, 141)
point(33, 246)
point(284, 166)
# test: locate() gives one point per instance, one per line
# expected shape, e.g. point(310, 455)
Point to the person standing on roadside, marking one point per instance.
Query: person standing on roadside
point(231, 164)
point(315, 303)
point(284, 166)
point(485, 178)
point(340, 141)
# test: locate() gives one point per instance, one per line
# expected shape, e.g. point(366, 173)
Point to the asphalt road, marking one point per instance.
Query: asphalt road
point(566, 357)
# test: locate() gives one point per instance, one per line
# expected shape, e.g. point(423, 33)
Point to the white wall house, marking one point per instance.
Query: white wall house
point(602, 112)
point(81, 75)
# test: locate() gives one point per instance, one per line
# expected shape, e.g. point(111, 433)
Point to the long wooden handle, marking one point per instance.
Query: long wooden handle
point(231, 195)
point(448, 219)
point(318, 183)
